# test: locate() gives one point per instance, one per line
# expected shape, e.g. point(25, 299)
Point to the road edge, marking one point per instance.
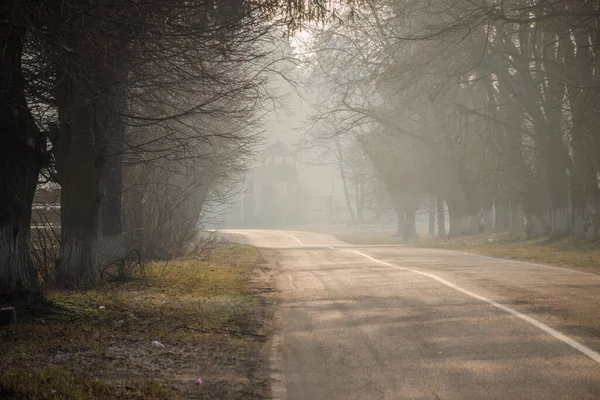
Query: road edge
point(273, 349)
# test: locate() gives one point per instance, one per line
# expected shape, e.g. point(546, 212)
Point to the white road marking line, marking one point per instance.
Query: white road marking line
point(295, 238)
point(552, 332)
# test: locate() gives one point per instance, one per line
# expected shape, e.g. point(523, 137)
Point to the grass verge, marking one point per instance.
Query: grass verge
point(148, 338)
point(565, 252)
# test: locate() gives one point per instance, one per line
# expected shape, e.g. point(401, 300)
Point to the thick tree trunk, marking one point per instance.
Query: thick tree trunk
point(80, 164)
point(19, 175)
point(400, 218)
point(536, 225)
point(110, 245)
point(21, 157)
point(441, 217)
point(110, 241)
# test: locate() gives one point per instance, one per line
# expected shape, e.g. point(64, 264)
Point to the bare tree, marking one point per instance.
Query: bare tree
point(97, 67)
point(495, 91)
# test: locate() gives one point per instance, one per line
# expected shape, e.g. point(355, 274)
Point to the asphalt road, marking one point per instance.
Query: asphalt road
point(404, 323)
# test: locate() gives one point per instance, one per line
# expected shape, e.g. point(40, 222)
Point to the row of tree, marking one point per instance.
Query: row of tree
point(142, 111)
point(490, 107)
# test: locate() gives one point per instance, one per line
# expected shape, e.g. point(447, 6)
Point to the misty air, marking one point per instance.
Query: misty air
point(300, 199)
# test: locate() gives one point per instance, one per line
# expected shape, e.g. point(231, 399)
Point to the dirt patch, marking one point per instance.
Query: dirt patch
point(150, 338)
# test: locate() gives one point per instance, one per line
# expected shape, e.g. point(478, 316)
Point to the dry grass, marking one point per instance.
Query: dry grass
point(562, 252)
point(207, 315)
point(368, 238)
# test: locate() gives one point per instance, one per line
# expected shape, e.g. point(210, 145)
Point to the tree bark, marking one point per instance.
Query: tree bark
point(22, 148)
point(111, 246)
point(112, 187)
point(80, 163)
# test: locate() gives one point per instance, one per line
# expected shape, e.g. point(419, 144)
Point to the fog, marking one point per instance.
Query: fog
point(184, 183)
point(398, 115)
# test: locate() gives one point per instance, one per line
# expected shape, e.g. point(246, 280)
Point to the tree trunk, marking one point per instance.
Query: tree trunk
point(80, 164)
point(471, 224)
point(516, 218)
point(112, 185)
point(400, 217)
point(502, 217)
point(111, 207)
point(432, 216)
point(554, 153)
point(110, 241)
point(584, 211)
point(409, 226)
point(344, 181)
point(558, 186)
point(441, 217)
point(455, 219)
point(544, 105)
point(21, 157)
point(134, 219)
point(358, 202)
point(579, 71)
point(111, 246)
point(536, 225)
point(488, 217)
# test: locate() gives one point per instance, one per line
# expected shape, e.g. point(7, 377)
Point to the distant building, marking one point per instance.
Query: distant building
point(279, 192)
point(273, 194)
point(46, 207)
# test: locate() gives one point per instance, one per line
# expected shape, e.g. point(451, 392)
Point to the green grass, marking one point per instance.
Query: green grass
point(99, 343)
point(565, 252)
